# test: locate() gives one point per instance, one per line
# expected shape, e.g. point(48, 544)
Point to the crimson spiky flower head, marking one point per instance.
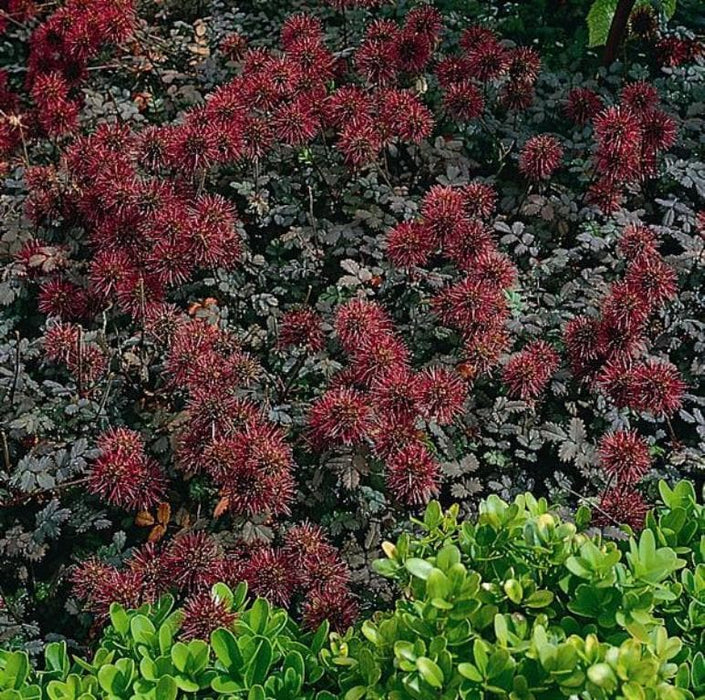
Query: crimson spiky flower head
point(451, 70)
point(517, 95)
point(360, 143)
point(192, 561)
point(620, 331)
point(652, 279)
point(340, 416)
point(59, 297)
point(524, 64)
point(480, 200)
point(123, 475)
point(295, 122)
point(624, 454)
point(625, 309)
point(304, 540)
point(360, 317)
point(190, 340)
point(301, 328)
point(658, 388)
point(61, 341)
point(414, 50)
point(443, 209)
point(214, 241)
point(622, 505)
point(672, 51)
point(659, 130)
point(394, 392)
point(527, 373)
point(377, 355)
point(426, 20)
point(640, 97)
point(474, 35)
point(377, 60)
point(402, 115)
point(253, 469)
point(323, 570)
point(90, 576)
point(605, 194)
point(337, 606)
point(463, 101)
point(390, 433)
point(495, 269)
point(410, 244)
point(483, 346)
point(268, 575)
point(617, 129)
point(161, 321)
point(300, 25)
point(616, 380)
point(234, 46)
point(637, 240)
point(441, 394)
point(487, 58)
point(347, 104)
point(466, 242)
point(581, 342)
point(203, 613)
point(468, 303)
point(540, 157)
point(122, 587)
point(412, 475)
point(148, 563)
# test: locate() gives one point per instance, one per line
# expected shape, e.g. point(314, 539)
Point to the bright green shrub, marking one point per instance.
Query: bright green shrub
point(263, 655)
point(515, 603)
point(520, 604)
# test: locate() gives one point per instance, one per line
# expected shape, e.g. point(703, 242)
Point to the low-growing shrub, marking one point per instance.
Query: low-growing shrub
point(516, 603)
point(519, 603)
point(253, 651)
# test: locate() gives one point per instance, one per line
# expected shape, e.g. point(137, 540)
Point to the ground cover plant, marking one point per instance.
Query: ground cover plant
point(275, 277)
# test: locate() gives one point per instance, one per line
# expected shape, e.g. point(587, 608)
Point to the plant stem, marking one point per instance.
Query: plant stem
point(617, 30)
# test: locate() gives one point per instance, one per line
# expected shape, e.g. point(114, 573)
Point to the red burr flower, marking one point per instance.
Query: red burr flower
point(268, 575)
point(480, 200)
point(636, 241)
point(410, 244)
point(441, 394)
point(341, 416)
point(412, 475)
point(617, 129)
point(527, 373)
point(650, 278)
point(622, 505)
point(581, 342)
point(301, 328)
point(203, 614)
point(658, 388)
point(123, 475)
point(583, 105)
point(540, 157)
point(360, 318)
point(192, 561)
point(625, 455)
point(335, 605)
point(463, 101)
